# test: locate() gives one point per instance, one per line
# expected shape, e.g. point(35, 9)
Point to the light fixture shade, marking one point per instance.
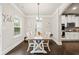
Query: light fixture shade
point(38, 26)
point(38, 18)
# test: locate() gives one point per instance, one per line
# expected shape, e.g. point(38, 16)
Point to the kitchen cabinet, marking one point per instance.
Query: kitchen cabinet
point(72, 35)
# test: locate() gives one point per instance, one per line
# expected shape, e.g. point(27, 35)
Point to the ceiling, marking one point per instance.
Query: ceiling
point(71, 10)
point(32, 8)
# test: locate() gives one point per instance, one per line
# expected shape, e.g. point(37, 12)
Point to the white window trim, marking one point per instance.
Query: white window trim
point(15, 36)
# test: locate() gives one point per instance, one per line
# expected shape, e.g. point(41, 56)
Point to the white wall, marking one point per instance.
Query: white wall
point(0, 29)
point(9, 41)
point(30, 24)
point(55, 28)
point(31, 21)
point(47, 24)
point(56, 20)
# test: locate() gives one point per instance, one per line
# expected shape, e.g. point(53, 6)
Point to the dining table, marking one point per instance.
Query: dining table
point(38, 41)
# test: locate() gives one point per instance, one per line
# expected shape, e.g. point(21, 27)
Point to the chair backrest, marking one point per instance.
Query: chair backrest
point(46, 41)
point(47, 34)
point(30, 34)
point(30, 41)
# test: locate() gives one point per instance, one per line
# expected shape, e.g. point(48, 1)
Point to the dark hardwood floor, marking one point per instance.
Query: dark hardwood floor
point(71, 47)
point(55, 49)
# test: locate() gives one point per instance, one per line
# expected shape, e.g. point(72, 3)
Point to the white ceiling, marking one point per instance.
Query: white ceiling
point(70, 10)
point(32, 8)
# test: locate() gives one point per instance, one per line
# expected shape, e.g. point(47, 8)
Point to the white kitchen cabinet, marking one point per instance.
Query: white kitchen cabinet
point(72, 35)
point(70, 19)
point(77, 21)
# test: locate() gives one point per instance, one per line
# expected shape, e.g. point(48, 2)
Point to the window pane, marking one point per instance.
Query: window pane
point(16, 30)
point(17, 27)
point(16, 22)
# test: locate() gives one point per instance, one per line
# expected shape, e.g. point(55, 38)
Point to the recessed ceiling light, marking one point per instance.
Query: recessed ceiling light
point(74, 8)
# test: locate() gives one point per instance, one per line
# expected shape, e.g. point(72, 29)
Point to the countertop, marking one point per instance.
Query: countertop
point(75, 29)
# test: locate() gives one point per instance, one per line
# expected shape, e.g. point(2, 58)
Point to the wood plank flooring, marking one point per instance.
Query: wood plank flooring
point(55, 49)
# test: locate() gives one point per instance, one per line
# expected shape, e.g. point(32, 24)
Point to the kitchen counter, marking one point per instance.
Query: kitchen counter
point(75, 29)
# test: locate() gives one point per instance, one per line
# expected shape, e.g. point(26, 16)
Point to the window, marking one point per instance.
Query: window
point(17, 26)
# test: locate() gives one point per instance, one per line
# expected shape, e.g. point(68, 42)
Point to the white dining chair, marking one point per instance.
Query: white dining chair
point(30, 41)
point(46, 44)
point(30, 44)
point(46, 41)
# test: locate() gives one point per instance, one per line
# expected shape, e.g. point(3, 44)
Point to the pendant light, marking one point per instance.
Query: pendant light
point(37, 18)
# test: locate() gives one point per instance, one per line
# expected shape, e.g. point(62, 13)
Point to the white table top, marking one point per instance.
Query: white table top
point(39, 37)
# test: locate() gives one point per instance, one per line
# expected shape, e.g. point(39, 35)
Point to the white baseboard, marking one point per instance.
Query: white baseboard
point(57, 42)
point(11, 47)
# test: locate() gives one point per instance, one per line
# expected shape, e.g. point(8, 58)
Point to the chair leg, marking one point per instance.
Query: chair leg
point(28, 48)
point(43, 46)
point(48, 47)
